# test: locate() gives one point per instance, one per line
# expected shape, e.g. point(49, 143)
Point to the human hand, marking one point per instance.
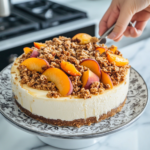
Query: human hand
point(122, 12)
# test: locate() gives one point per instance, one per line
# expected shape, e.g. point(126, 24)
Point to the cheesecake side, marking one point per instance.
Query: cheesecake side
point(68, 108)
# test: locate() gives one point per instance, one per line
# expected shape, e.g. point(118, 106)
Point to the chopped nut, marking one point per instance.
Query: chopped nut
point(63, 48)
point(84, 93)
point(107, 86)
point(43, 78)
point(53, 94)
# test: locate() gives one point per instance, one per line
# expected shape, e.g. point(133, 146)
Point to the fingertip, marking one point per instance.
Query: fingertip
point(101, 31)
point(112, 35)
point(118, 39)
point(134, 32)
point(127, 32)
point(102, 27)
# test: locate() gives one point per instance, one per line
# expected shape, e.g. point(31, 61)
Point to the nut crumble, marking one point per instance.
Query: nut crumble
point(69, 50)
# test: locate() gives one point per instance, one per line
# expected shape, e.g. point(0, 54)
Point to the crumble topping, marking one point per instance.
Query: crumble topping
point(95, 88)
point(84, 93)
point(69, 50)
point(53, 94)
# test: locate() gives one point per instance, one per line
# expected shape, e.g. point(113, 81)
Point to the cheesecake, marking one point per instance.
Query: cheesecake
point(70, 81)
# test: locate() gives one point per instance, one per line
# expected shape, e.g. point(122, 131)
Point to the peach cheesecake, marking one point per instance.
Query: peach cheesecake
point(70, 82)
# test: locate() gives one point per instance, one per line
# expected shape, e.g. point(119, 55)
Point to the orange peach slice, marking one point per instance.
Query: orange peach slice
point(92, 65)
point(106, 79)
point(36, 64)
point(88, 78)
point(119, 61)
point(101, 50)
point(27, 50)
point(39, 45)
point(83, 38)
point(60, 79)
point(70, 68)
point(113, 48)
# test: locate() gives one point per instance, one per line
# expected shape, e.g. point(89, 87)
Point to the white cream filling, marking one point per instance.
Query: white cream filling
point(66, 108)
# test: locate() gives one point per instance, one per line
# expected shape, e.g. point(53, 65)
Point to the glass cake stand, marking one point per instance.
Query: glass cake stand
point(72, 137)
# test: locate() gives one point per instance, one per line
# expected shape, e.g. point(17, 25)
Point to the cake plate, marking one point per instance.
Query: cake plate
point(72, 137)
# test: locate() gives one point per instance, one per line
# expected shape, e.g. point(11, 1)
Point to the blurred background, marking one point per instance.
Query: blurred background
point(24, 21)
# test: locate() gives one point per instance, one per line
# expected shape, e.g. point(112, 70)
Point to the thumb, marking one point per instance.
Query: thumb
point(122, 23)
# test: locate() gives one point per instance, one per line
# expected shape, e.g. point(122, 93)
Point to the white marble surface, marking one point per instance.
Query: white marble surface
point(137, 137)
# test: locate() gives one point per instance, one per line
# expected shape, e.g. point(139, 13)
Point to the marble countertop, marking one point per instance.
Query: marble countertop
point(135, 137)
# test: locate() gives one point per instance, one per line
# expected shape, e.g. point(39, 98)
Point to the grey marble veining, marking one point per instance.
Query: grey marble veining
point(134, 138)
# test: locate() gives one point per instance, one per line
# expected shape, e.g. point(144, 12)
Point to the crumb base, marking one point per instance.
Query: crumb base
point(76, 123)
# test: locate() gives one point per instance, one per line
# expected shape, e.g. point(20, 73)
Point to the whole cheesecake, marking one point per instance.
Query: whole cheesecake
point(70, 82)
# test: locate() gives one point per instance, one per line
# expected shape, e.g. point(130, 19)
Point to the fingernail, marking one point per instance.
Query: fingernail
point(132, 31)
point(112, 35)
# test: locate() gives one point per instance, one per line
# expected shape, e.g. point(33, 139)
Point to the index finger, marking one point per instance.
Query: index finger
point(103, 23)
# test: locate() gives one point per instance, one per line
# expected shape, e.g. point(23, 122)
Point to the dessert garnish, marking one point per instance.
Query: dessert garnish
point(67, 66)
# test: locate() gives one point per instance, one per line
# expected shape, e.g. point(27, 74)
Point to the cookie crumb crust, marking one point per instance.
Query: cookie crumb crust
point(76, 123)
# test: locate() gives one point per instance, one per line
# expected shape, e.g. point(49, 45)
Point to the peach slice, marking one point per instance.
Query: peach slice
point(88, 78)
point(60, 79)
point(92, 65)
point(27, 50)
point(70, 68)
point(113, 48)
point(35, 53)
point(106, 79)
point(39, 45)
point(36, 64)
point(101, 50)
point(83, 38)
point(119, 61)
